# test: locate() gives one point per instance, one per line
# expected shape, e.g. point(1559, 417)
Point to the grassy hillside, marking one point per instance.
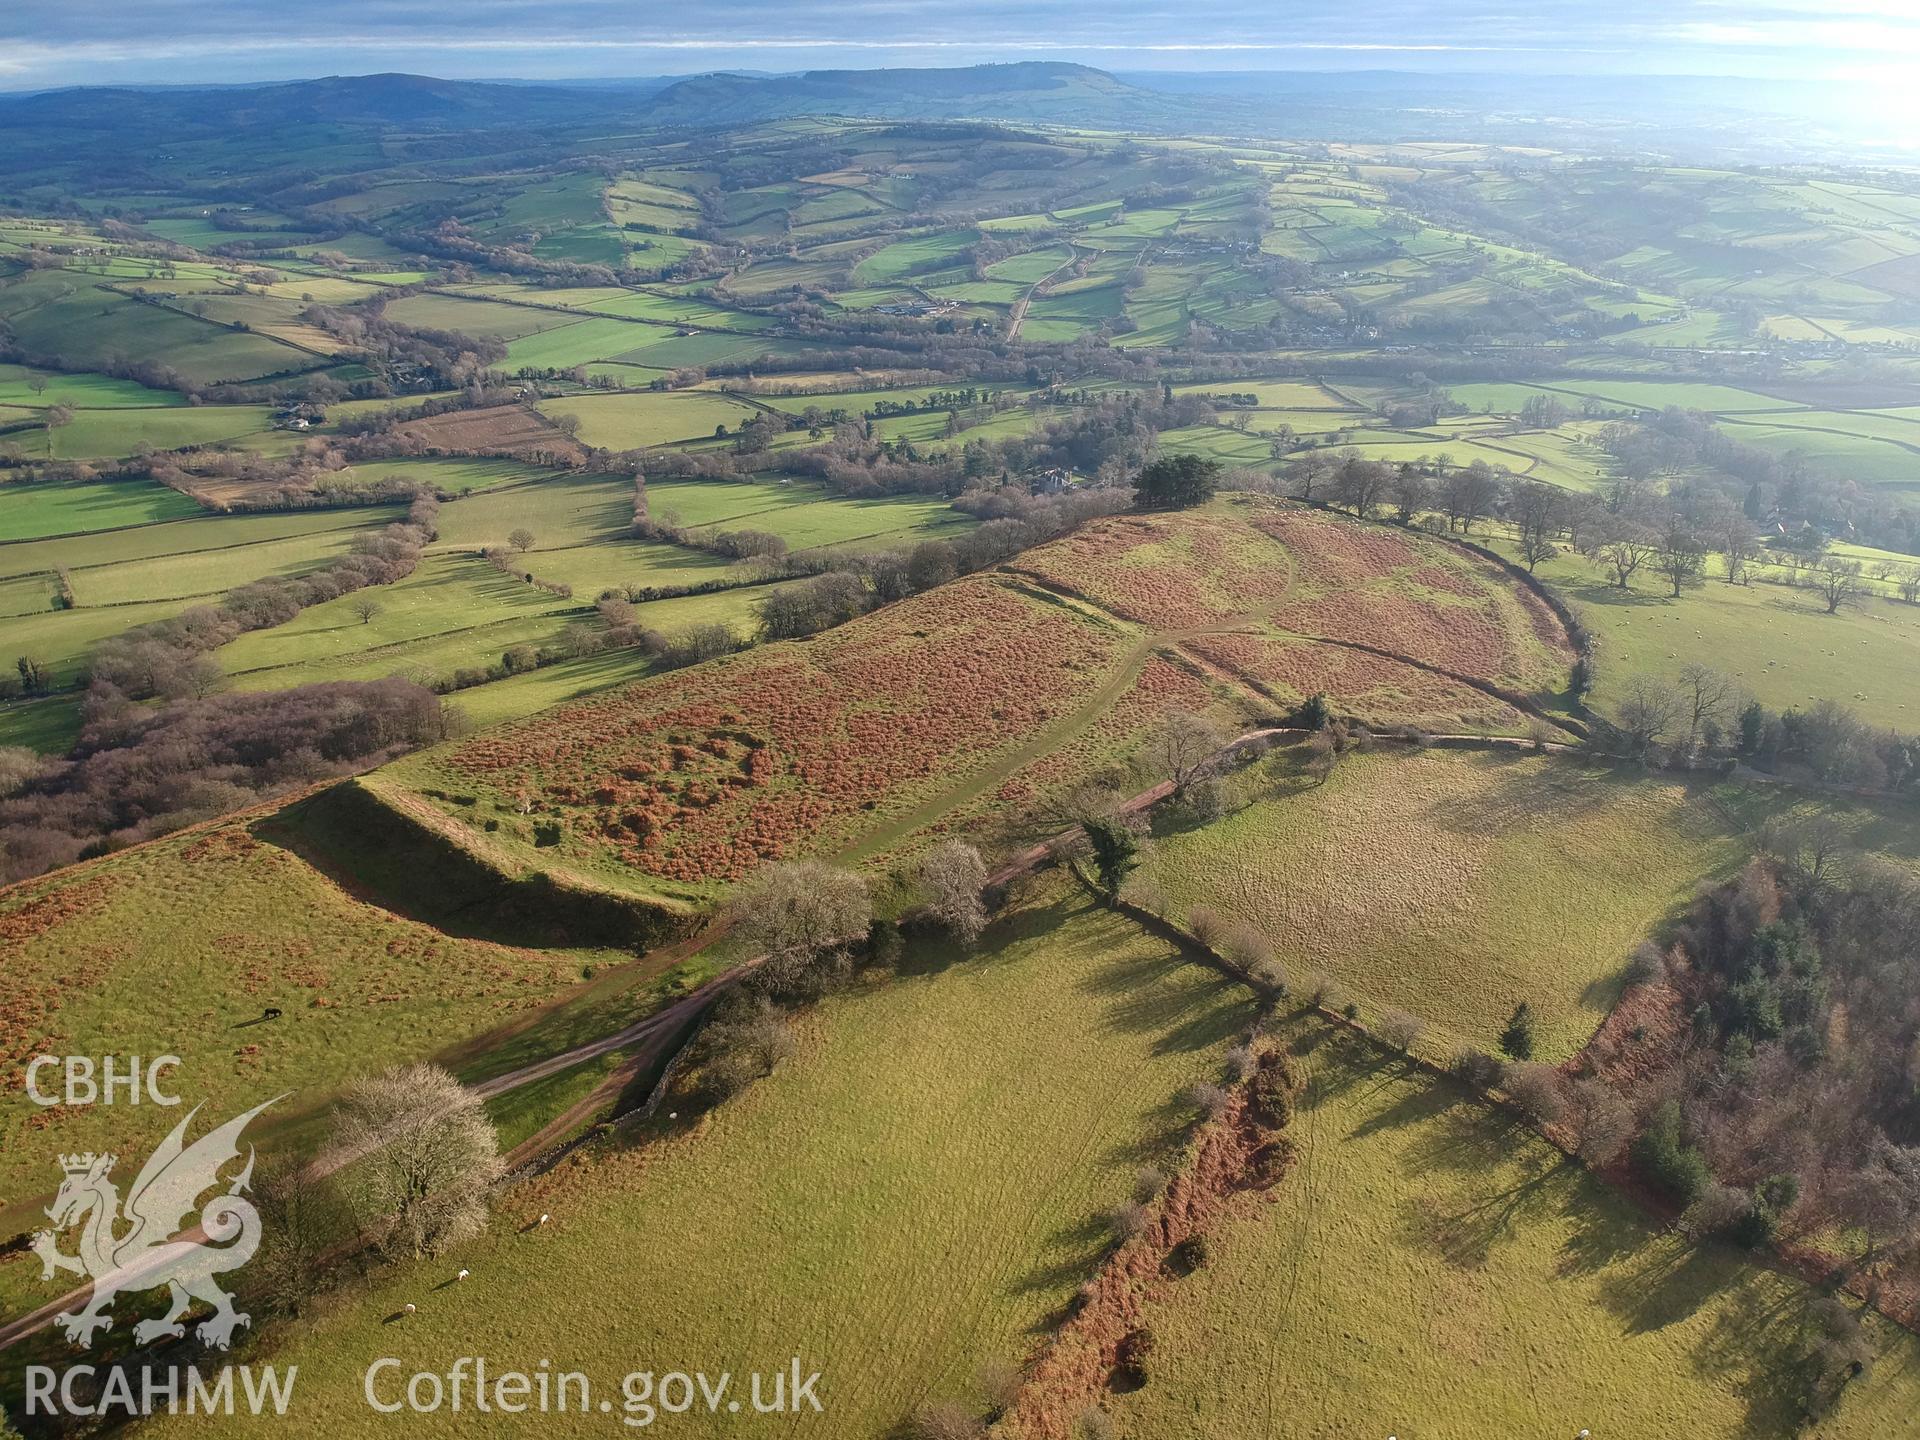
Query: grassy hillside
point(909, 1196)
point(1017, 683)
point(701, 775)
point(1429, 1268)
point(1456, 884)
point(180, 946)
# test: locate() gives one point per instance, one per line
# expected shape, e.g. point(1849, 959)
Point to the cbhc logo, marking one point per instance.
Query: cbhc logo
point(87, 1082)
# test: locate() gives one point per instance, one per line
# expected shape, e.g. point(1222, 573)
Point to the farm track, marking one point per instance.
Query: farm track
point(1019, 314)
point(650, 1037)
point(1174, 640)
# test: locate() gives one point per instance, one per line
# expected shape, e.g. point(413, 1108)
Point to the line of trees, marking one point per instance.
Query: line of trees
point(172, 658)
point(1012, 522)
point(140, 772)
point(1703, 714)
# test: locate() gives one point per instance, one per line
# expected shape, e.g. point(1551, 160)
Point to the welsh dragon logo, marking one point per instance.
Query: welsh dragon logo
point(148, 1246)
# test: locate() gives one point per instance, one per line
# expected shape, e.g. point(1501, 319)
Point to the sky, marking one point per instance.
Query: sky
point(46, 43)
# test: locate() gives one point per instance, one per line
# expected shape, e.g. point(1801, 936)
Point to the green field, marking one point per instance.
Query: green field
point(31, 512)
point(93, 392)
point(803, 514)
point(452, 611)
point(452, 477)
point(1429, 1268)
point(87, 323)
point(1455, 884)
point(475, 316)
point(1778, 644)
point(200, 534)
point(827, 1211)
point(631, 422)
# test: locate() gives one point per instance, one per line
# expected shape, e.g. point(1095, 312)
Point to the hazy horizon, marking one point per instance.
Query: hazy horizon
point(47, 45)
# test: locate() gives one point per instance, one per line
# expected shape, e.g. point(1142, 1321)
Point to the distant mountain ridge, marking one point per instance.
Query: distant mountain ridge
point(390, 99)
point(1023, 90)
point(119, 126)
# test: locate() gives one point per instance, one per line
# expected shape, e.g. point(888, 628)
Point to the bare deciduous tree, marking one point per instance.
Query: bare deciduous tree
point(1400, 1029)
point(421, 1157)
point(999, 1383)
point(1184, 746)
point(1209, 1100)
point(1837, 582)
point(953, 879)
point(1734, 538)
point(1681, 556)
point(1535, 510)
point(1882, 1197)
point(1534, 1089)
point(1469, 494)
point(297, 1212)
point(1246, 947)
point(1717, 1210)
point(746, 1041)
point(1409, 492)
point(1624, 549)
point(945, 1420)
point(802, 914)
point(1649, 713)
point(1148, 1182)
point(1128, 1220)
point(1708, 696)
point(1601, 1120)
point(1208, 926)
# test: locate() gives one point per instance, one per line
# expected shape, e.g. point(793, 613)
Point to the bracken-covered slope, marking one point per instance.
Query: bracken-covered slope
point(1002, 687)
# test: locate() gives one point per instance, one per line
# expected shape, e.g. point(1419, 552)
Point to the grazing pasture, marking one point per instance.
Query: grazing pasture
point(1455, 884)
point(33, 512)
point(629, 422)
point(179, 946)
point(1429, 1267)
point(87, 323)
point(1775, 642)
point(722, 1226)
point(20, 385)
